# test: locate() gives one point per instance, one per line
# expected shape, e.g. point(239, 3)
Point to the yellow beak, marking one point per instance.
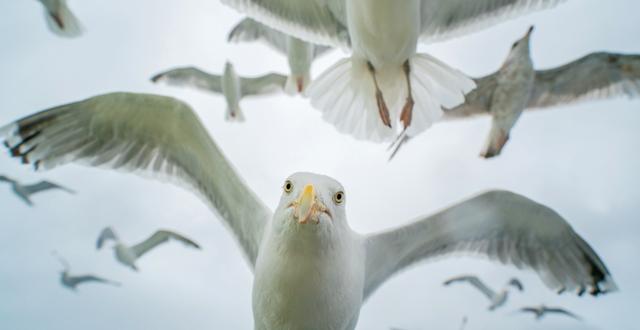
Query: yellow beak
point(305, 205)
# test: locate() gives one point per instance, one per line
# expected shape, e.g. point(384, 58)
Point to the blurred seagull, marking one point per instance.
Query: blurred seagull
point(60, 19)
point(25, 191)
point(516, 87)
point(542, 310)
point(497, 298)
point(385, 83)
point(233, 87)
point(300, 54)
point(127, 255)
point(72, 281)
point(303, 251)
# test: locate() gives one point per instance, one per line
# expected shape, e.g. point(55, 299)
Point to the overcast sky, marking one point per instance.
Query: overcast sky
point(581, 160)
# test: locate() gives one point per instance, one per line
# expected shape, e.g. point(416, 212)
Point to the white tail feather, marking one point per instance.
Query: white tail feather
point(63, 22)
point(345, 94)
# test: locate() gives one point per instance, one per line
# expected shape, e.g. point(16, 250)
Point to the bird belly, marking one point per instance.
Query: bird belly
point(385, 32)
point(125, 255)
point(231, 90)
point(511, 96)
point(299, 55)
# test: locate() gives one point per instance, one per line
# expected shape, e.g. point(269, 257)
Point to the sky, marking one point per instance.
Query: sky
point(581, 160)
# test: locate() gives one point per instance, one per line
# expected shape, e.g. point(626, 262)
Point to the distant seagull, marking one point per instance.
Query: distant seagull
point(72, 281)
point(60, 19)
point(516, 87)
point(233, 87)
point(127, 255)
point(385, 87)
point(463, 324)
point(25, 191)
point(300, 54)
point(542, 310)
point(497, 298)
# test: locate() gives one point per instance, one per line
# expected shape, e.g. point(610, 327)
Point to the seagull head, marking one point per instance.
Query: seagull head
point(520, 48)
point(311, 202)
point(228, 68)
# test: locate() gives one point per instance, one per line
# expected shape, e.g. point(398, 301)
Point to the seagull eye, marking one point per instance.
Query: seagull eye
point(288, 186)
point(514, 45)
point(338, 197)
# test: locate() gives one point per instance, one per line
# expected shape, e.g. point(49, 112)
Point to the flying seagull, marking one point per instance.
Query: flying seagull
point(542, 310)
point(60, 19)
point(303, 252)
point(24, 192)
point(127, 255)
point(516, 87)
point(385, 87)
point(497, 298)
point(71, 282)
point(233, 87)
point(300, 54)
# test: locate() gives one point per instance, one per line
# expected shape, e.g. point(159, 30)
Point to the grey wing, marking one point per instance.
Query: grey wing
point(45, 185)
point(159, 237)
point(595, 76)
point(444, 19)
point(477, 102)
point(316, 21)
point(475, 281)
point(61, 20)
point(528, 310)
point(319, 50)
point(75, 280)
point(143, 133)
point(252, 30)
point(516, 283)
point(190, 77)
point(106, 234)
point(506, 227)
point(267, 84)
point(563, 311)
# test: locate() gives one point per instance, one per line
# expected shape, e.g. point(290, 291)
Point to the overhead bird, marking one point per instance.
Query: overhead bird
point(127, 255)
point(497, 298)
point(24, 192)
point(385, 87)
point(542, 310)
point(517, 87)
point(300, 54)
point(232, 86)
point(303, 252)
point(60, 19)
point(71, 282)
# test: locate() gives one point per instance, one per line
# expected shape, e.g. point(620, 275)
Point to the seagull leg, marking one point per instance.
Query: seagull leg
point(407, 110)
point(382, 105)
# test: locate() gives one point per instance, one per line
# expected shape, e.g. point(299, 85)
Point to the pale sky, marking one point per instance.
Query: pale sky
point(580, 160)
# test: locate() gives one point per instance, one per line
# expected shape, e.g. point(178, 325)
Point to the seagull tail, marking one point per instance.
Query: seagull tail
point(234, 114)
point(345, 94)
point(297, 83)
point(63, 22)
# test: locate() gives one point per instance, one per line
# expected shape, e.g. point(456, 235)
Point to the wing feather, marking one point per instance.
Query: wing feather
point(159, 237)
point(267, 84)
point(190, 77)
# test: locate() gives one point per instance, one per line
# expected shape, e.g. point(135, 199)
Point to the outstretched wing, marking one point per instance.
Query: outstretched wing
point(316, 21)
point(161, 236)
point(60, 20)
point(501, 225)
point(473, 280)
point(444, 19)
point(267, 84)
point(143, 133)
point(75, 280)
point(516, 283)
point(595, 76)
point(44, 185)
point(563, 311)
point(190, 77)
point(106, 234)
point(252, 30)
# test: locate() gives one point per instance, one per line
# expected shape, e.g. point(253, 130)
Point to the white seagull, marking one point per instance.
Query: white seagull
point(542, 310)
point(128, 255)
point(60, 19)
point(71, 282)
point(497, 298)
point(233, 87)
point(311, 270)
point(24, 192)
point(517, 87)
point(300, 54)
point(385, 83)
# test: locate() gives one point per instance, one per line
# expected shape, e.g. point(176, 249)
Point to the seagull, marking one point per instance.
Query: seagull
point(24, 192)
point(300, 54)
point(516, 87)
point(464, 322)
point(497, 298)
point(233, 87)
point(127, 255)
point(385, 87)
point(303, 252)
point(542, 310)
point(60, 19)
point(72, 281)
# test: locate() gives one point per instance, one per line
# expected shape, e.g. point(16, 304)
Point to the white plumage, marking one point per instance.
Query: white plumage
point(497, 299)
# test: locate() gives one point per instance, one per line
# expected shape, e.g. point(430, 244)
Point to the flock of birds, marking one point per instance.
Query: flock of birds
point(310, 269)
